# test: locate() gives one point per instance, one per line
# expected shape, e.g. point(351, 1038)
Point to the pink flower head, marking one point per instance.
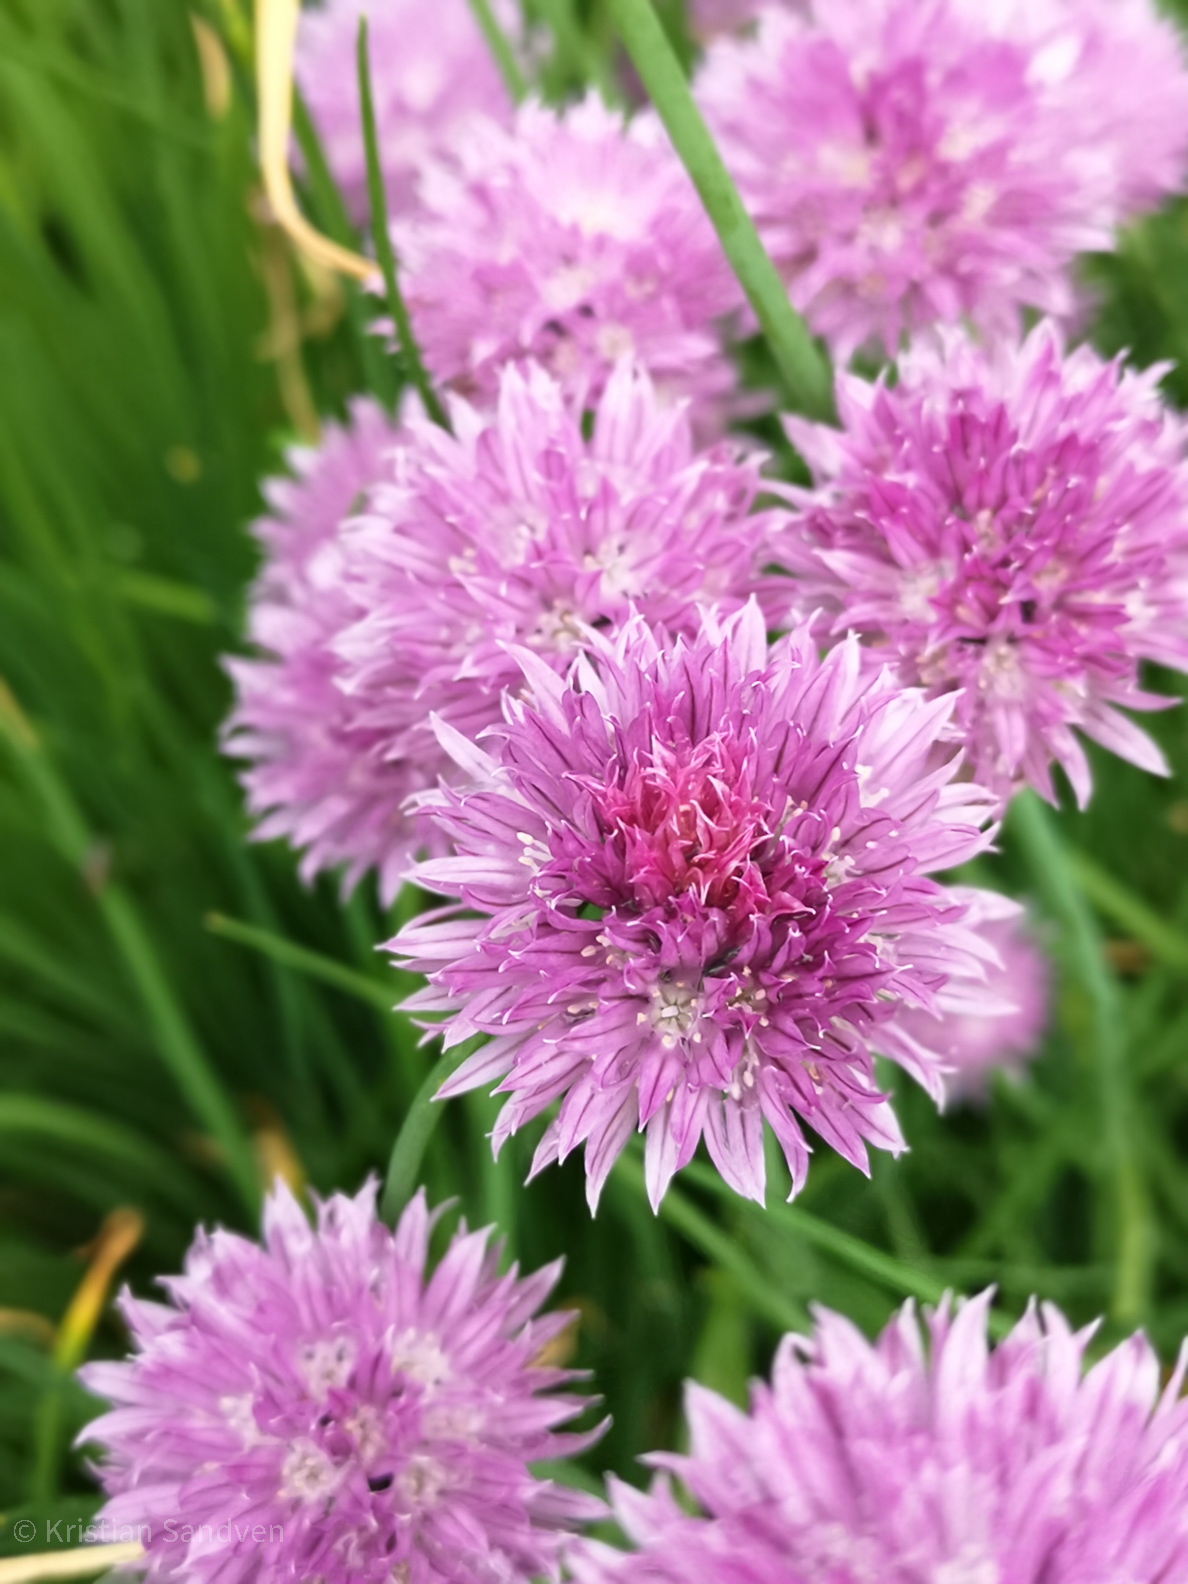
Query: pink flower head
point(915, 161)
point(1013, 524)
point(974, 1041)
point(518, 530)
point(692, 895)
point(572, 239)
point(317, 776)
point(1114, 70)
point(431, 72)
point(319, 1407)
point(923, 1458)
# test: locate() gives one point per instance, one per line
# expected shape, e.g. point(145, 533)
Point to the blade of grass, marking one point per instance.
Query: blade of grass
point(718, 1247)
point(418, 1127)
point(175, 1040)
point(276, 33)
point(379, 370)
point(1121, 905)
point(805, 371)
point(847, 1250)
point(53, 1121)
point(501, 50)
point(81, 1563)
point(498, 1188)
point(1030, 824)
point(318, 966)
point(383, 243)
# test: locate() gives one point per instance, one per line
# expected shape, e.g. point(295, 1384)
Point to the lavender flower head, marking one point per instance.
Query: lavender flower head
point(517, 530)
point(374, 1422)
point(691, 896)
point(974, 1042)
point(1114, 72)
point(431, 72)
point(924, 1458)
point(574, 240)
point(1012, 524)
point(916, 161)
point(316, 775)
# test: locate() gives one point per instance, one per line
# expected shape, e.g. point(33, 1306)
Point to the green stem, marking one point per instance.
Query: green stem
point(420, 1123)
point(577, 59)
point(504, 55)
point(718, 1247)
point(331, 215)
point(33, 1119)
point(174, 1037)
point(1030, 824)
point(44, 1480)
point(883, 1269)
point(383, 244)
point(804, 369)
point(314, 964)
point(1113, 899)
point(498, 1188)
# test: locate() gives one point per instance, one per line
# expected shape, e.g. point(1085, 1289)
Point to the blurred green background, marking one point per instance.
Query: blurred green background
point(159, 349)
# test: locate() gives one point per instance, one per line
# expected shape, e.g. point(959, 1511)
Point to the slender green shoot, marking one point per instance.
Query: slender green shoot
point(418, 1127)
point(578, 58)
point(718, 1247)
point(330, 212)
point(1031, 826)
point(384, 253)
point(175, 1040)
point(1119, 904)
point(501, 50)
point(805, 371)
point(882, 1269)
point(311, 963)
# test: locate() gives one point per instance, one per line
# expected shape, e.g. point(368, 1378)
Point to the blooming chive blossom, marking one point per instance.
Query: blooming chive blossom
point(431, 72)
point(916, 161)
point(924, 1458)
point(692, 896)
point(316, 775)
point(974, 1042)
point(1114, 72)
point(572, 239)
point(370, 1421)
point(517, 530)
point(1013, 524)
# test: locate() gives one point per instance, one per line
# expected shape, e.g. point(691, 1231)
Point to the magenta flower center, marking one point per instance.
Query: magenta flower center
point(711, 900)
point(693, 827)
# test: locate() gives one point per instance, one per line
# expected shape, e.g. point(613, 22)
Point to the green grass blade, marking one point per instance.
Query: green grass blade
point(1030, 824)
point(805, 371)
point(501, 50)
point(174, 1038)
point(382, 239)
point(317, 966)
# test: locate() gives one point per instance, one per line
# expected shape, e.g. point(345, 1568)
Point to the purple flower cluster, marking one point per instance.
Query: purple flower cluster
point(574, 240)
point(1010, 527)
point(681, 746)
point(681, 749)
point(317, 774)
point(375, 1421)
point(692, 898)
point(923, 1457)
point(404, 564)
point(910, 162)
